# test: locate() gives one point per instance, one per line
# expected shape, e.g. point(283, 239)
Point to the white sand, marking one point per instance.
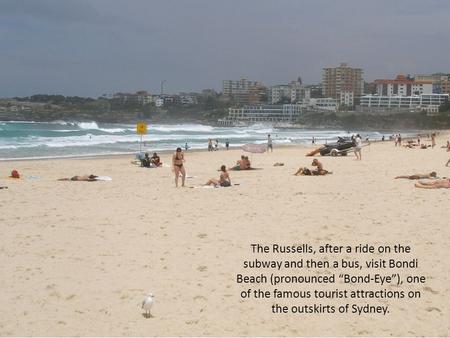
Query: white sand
point(77, 258)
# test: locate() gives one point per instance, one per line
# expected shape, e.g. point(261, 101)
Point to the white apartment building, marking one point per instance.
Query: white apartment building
point(347, 98)
point(427, 102)
point(159, 102)
point(264, 113)
point(327, 103)
point(403, 86)
point(294, 92)
point(278, 93)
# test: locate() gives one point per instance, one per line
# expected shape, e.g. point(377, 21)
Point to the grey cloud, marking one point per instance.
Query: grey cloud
point(90, 47)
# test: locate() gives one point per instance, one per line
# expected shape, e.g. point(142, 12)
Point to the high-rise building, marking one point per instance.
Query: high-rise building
point(342, 79)
point(279, 93)
point(294, 92)
point(241, 91)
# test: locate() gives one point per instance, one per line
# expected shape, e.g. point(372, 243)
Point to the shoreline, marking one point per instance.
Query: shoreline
point(305, 145)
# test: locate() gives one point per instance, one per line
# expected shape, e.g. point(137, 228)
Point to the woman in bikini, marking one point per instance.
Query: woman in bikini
point(178, 167)
point(433, 174)
point(86, 178)
point(224, 179)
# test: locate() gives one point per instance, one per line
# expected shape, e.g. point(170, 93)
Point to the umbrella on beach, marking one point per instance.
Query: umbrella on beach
point(254, 148)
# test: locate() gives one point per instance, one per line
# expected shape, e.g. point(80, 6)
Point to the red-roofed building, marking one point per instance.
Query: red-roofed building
point(403, 86)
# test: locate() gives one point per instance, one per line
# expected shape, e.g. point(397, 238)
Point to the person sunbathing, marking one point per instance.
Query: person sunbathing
point(247, 164)
point(87, 178)
point(320, 170)
point(317, 172)
point(242, 164)
point(145, 162)
point(433, 174)
point(155, 160)
point(303, 172)
point(437, 184)
point(224, 179)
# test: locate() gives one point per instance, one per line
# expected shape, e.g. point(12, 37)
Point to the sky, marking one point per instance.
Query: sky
point(92, 47)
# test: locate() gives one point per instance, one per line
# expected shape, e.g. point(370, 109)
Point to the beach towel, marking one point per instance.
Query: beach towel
point(213, 186)
point(103, 178)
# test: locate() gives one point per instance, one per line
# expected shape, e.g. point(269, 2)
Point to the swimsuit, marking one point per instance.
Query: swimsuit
point(178, 159)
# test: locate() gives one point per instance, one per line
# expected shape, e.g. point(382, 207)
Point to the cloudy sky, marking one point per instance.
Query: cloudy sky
point(93, 47)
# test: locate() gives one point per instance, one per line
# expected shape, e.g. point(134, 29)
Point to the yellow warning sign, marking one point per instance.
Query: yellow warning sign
point(141, 128)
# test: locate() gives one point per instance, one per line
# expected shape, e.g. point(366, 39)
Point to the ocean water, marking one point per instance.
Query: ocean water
point(66, 139)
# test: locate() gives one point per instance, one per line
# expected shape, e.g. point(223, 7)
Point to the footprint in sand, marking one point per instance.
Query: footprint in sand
point(430, 309)
point(427, 288)
point(198, 297)
point(55, 294)
point(202, 235)
point(202, 268)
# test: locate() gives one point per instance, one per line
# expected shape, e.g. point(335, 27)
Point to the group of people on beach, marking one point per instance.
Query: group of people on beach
point(430, 180)
point(215, 146)
point(319, 171)
point(180, 171)
point(151, 162)
point(242, 164)
point(425, 181)
point(433, 182)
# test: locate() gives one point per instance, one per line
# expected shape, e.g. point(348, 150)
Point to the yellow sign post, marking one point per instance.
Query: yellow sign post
point(141, 129)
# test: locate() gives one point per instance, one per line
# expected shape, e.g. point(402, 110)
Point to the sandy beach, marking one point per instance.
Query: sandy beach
point(77, 258)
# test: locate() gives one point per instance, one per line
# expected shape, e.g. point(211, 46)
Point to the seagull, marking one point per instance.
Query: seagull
point(147, 304)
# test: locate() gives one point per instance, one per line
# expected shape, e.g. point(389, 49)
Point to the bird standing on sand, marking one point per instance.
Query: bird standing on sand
point(147, 304)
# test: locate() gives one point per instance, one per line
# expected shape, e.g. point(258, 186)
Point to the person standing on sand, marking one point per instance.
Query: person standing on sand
point(227, 144)
point(269, 144)
point(433, 140)
point(178, 167)
point(358, 146)
point(210, 146)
